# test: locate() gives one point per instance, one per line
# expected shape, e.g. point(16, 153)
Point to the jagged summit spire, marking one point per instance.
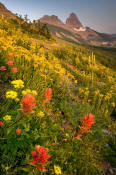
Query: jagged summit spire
point(73, 21)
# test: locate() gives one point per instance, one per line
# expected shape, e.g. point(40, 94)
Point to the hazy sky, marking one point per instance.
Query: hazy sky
point(97, 14)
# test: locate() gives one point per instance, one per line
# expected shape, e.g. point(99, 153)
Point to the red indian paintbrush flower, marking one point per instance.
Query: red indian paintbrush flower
point(40, 157)
point(10, 63)
point(1, 124)
point(14, 55)
point(14, 70)
point(48, 94)
point(28, 102)
point(78, 136)
point(18, 131)
point(2, 68)
point(86, 124)
point(22, 119)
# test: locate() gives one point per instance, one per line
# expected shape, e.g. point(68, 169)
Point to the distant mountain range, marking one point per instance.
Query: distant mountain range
point(72, 30)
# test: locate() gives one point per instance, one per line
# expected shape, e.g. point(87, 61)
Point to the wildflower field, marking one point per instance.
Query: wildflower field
point(57, 105)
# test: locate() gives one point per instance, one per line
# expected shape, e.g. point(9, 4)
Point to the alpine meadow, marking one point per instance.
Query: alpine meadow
point(57, 97)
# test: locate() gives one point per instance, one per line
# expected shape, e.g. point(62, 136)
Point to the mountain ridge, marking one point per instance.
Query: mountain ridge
point(73, 21)
point(4, 11)
point(73, 25)
point(77, 32)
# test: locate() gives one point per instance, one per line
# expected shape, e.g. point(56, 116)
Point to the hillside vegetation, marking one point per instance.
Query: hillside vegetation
point(57, 105)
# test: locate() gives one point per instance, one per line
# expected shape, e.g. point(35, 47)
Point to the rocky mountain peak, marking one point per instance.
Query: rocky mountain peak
point(54, 17)
point(51, 20)
point(73, 21)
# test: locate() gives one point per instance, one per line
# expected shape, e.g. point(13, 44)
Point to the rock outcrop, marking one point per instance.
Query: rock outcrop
point(54, 20)
point(73, 21)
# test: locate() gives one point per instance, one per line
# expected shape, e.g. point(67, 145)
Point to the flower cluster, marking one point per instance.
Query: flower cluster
point(97, 92)
point(84, 92)
point(11, 94)
point(17, 84)
point(1, 124)
point(48, 94)
point(28, 91)
point(107, 96)
point(86, 124)
point(14, 70)
point(14, 55)
point(113, 104)
point(2, 68)
point(18, 131)
point(7, 117)
point(40, 157)
point(28, 102)
point(41, 114)
point(57, 169)
point(10, 63)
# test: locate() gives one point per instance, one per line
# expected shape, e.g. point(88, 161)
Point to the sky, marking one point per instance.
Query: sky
point(100, 15)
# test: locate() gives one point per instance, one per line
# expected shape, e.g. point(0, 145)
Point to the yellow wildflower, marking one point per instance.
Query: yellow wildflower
point(67, 135)
point(101, 95)
point(75, 81)
point(110, 79)
point(7, 117)
point(113, 104)
point(34, 92)
point(86, 93)
point(27, 91)
point(23, 93)
point(81, 90)
point(17, 83)
point(38, 146)
point(57, 169)
point(11, 94)
point(43, 125)
point(17, 99)
point(96, 92)
point(108, 96)
point(41, 114)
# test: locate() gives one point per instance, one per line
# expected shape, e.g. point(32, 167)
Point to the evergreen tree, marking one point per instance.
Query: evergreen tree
point(26, 18)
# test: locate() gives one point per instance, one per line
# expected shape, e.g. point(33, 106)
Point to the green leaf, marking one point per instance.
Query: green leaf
point(9, 130)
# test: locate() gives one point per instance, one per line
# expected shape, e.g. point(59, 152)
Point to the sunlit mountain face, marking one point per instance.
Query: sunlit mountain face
point(73, 30)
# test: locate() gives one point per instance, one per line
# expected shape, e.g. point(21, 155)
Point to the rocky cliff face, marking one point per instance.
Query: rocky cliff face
point(4, 11)
point(51, 20)
point(73, 25)
point(73, 21)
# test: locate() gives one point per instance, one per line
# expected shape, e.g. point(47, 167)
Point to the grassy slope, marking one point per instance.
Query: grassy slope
point(106, 56)
point(74, 77)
